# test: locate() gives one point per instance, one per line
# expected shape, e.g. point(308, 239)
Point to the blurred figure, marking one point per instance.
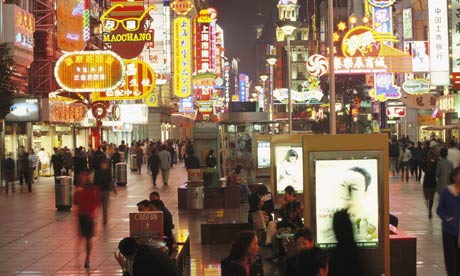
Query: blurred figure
point(211, 159)
point(406, 156)
point(142, 260)
point(244, 258)
point(58, 163)
point(153, 164)
point(261, 208)
point(419, 157)
point(168, 225)
point(143, 206)
point(9, 172)
point(429, 181)
point(22, 164)
point(33, 163)
point(345, 259)
point(165, 163)
point(191, 161)
point(139, 158)
point(394, 155)
point(79, 164)
point(44, 163)
point(103, 179)
point(87, 198)
point(449, 213)
point(444, 170)
point(236, 179)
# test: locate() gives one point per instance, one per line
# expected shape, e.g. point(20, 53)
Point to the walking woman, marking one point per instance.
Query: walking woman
point(449, 212)
point(429, 181)
point(406, 156)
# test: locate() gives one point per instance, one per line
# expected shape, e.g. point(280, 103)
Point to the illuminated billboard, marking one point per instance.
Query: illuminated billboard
point(66, 112)
point(24, 110)
point(289, 168)
point(351, 185)
point(455, 26)
point(89, 71)
point(243, 84)
point(69, 25)
point(134, 113)
point(439, 42)
point(139, 82)
point(205, 42)
point(182, 57)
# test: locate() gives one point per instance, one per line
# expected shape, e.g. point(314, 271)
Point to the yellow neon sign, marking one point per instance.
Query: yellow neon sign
point(130, 24)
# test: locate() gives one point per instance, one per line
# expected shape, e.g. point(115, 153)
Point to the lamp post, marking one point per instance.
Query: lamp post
point(288, 15)
point(271, 60)
point(264, 79)
point(332, 114)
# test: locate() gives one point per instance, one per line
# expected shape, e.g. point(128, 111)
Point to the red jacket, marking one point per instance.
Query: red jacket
point(87, 199)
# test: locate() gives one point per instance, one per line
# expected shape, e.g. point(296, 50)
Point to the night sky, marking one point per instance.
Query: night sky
point(237, 18)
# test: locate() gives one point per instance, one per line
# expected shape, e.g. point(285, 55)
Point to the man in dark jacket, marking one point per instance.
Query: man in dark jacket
point(103, 179)
point(168, 225)
point(394, 155)
point(154, 166)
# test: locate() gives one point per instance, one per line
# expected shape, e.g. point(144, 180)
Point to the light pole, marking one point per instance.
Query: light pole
point(332, 114)
point(288, 15)
point(264, 79)
point(271, 60)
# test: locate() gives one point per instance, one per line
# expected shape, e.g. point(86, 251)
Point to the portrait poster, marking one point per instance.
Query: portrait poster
point(263, 154)
point(351, 185)
point(289, 168)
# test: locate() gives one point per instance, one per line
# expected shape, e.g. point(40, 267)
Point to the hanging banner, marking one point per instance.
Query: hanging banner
point(139, 82)
point(439, 42)
point(89, 71)
point(182, 57)
point(385, 88)
point(153, 99)
point(69, 24)
point(407, 23)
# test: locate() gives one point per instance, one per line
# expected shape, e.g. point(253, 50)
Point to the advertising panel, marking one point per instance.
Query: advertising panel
point(243, 84)
point(263, 154)
point(420, 52)
point(385, 88)
point(182, 57)
point(455, 26)
point(69, 24)
point(351, 185)
point(407, 23)
point(134, 113)
point(89, 71)
point(416, 86)
point(146, 225)
point(24, 110)
point(439, 42)
point(447, 104)
point(139, 82)
point(289, 167)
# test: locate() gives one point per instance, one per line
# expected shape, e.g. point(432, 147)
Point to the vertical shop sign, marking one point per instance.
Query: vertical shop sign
point(243, 87)
point(439, 42)
point(455, 36)
point(407, 23)
point(182, 57)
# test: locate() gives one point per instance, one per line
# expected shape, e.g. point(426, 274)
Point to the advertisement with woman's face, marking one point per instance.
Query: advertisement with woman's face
point(351, 185)
point(289, 168)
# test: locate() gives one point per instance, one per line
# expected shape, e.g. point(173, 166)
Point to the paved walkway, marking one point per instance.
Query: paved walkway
point(37, 240)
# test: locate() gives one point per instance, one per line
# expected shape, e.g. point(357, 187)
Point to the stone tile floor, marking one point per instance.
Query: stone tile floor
point(35, 239)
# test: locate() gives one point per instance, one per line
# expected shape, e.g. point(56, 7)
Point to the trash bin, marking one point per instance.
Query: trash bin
point(195, 198)
point(133, 163)
point(121, 174)
point(63, 192)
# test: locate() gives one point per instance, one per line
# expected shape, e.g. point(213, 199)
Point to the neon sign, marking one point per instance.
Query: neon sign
point(182, 7)
point(139, 81)
point(89, 71)
point(182, 57)
point(69, 25)
point(385, 88)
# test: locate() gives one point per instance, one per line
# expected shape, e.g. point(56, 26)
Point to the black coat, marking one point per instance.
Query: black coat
point(231, 267)
point(154, 163)
point(192, 162)
point(103, 179)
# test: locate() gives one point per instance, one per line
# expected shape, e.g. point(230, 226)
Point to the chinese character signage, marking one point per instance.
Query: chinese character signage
point(367, 65)
point(90, 71)
point(425, 101)
point(69, 24)
point(66, 112)
point(139, 82)
point(205, 42)
point(182, 7)
point(439, 42)
point(407, 23)
point(455, 36)
point(186, 105)
point(182, 57)
point(125, 27)
point(243, 84)
point(447, 104)
point(152, 99)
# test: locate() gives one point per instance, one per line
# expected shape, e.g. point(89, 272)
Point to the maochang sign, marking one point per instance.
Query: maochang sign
point(89, 71)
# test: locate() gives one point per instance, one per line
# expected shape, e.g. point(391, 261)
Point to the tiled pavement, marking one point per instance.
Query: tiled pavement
point(37, 240)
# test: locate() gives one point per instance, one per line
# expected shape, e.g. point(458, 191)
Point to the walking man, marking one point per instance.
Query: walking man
point(165, 163)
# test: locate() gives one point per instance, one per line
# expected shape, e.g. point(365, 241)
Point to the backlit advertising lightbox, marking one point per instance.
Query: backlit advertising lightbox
point(350, 184)
point(263, 154)
point(289, 168)
point(24, 110)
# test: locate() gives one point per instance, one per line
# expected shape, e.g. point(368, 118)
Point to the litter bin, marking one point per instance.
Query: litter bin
point(121, 174)
point(63, 192)
point(195, 198)
point(133, 163)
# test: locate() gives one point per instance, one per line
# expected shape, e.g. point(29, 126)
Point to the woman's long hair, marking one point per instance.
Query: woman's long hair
point(241, 244)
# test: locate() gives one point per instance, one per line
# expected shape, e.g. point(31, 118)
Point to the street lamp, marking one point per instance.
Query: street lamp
point(288, 15)
point(271, 60)
point(262, 102)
